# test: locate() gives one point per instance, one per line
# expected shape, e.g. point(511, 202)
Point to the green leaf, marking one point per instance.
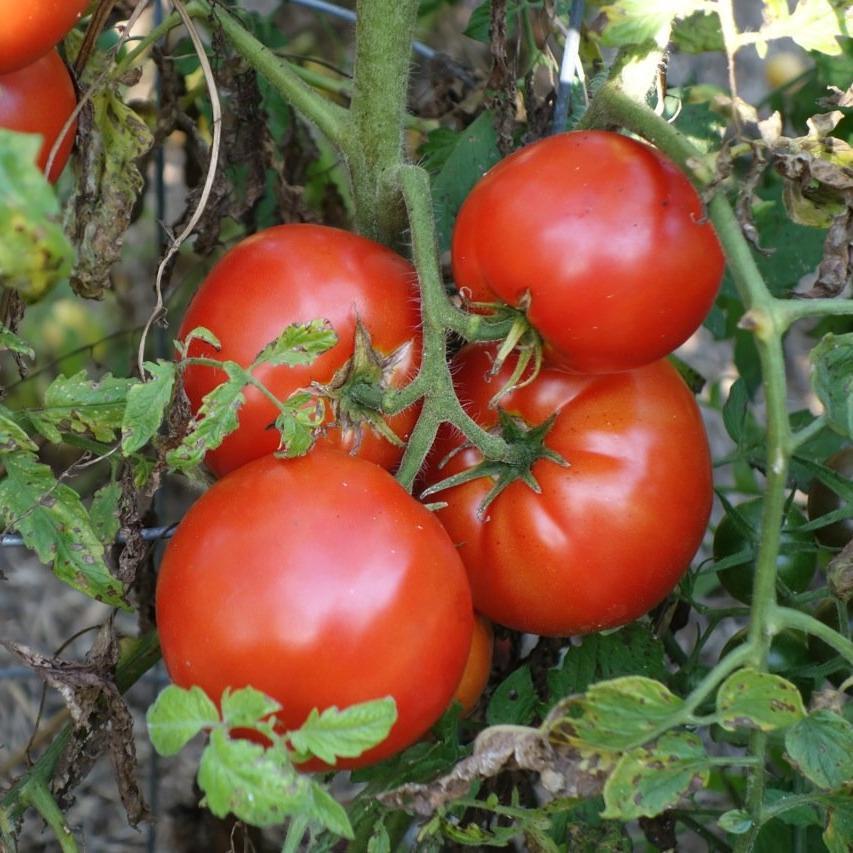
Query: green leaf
point(81, 404)
point(820, 746)
point(298, 344)
point(839, 829)
point(146, 405)
point(475, 152)
point(11, 342)
point(329, 812)
point(514, 700)
point(254, 784)
point(35, 254)
point(13, 437)
point(246, 706)
point(298, 421)
point(216, 418)
point(104, 512)
point(617, 714)
point(100, 210)
point(200, 333)
point(177, 716)
point(479, 24)
point(698, 33)
point(813, 24)
point(648, 780)
point(737, 822)
point(639, 21)
point(752, 699)
point(832, 379)
point(379, 842)
point(53, 522)
point(336, 734)
point(795, 815)
point(632, 650)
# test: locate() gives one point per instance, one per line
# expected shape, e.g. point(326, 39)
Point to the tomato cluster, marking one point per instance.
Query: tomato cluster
point(319, 580)
point(37, 94)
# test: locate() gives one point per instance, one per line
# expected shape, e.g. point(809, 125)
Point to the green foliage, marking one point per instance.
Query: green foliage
point(34, 252)
point(638, 21)
point(832, 377)
point(146, 406)
point(474, 152)
point(258, 784)
point(821, 747)
point(514, 700)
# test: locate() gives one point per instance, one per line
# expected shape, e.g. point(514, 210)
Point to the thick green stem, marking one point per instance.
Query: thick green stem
point(384, 33)
point(784, 617)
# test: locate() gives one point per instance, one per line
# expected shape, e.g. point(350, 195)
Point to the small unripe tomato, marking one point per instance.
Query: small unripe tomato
point(823, 500)
point(39, 99)
point(783, 67)
point(477, 669)
point(796, 560)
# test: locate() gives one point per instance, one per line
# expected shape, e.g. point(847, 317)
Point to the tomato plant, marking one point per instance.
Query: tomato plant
point(827, 612)
point(39, 99)
point(354, 595)
point(824, 500)
point(30, 30)
point(797, 557)
point(291, 274)
point(478, 666)
point(611, 534)
point(601, 238)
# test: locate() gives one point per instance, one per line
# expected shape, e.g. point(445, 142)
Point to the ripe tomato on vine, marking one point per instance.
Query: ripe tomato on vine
point(293, 274)
point(600, 239)
point(608, 536)
point(355, 594)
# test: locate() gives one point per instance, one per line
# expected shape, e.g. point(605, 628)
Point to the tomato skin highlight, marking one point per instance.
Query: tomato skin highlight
point(477, 667)
point(295, 274)
point(39, 99)
point(606, 236)
point(353, 595)
point(610, 535)
point(32, 27)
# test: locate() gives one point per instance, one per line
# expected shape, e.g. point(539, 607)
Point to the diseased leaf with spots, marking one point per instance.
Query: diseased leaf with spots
point(35, 254)
point(53, 522)
point(215, 419)
point(104, 512)
point(617, 714)
point(82, 405)
point(820, 746)
point(648, 780)
point(758, 700)
point(298, 344)
point(12, 436)
point(13, 343)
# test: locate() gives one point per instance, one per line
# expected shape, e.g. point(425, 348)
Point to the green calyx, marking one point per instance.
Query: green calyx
point(357, 389)
point(528, 446)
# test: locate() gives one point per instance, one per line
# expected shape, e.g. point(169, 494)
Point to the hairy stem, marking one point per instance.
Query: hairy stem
point(384, 33)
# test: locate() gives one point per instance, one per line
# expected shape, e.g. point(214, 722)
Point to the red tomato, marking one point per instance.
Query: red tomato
point(30, 28)
point(610, 535)
point(477, 669)
point(295, 274)
point(39, 99)
point(607, 238)
point(321, 582)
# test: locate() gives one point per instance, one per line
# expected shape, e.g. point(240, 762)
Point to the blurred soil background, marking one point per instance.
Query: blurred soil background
point(39, 612)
